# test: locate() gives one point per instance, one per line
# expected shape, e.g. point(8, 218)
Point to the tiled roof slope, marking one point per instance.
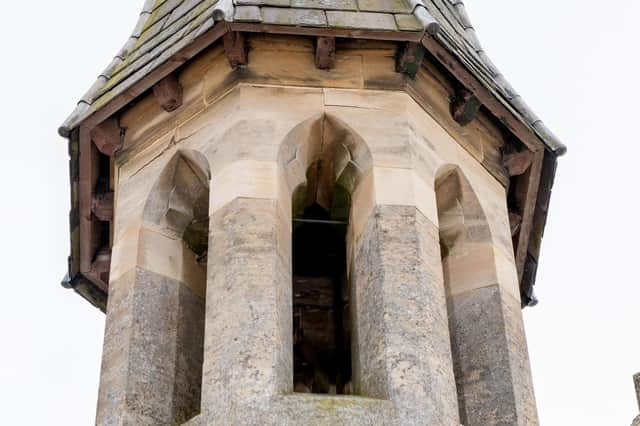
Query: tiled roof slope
point(167, 26)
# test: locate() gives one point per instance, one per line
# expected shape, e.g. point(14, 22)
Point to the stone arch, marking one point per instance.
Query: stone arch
point(463, 229)
point(172, 258)
point(180, 194)
point(331, 140)
point(324, 163)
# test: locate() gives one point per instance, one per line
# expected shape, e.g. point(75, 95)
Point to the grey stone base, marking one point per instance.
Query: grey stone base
point(152, 360)
point(490, 359)
point(402, 350)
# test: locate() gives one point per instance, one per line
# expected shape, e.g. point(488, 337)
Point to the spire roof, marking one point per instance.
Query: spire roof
point(166, 27)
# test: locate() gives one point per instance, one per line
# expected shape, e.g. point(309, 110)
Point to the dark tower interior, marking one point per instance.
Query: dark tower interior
point(321, 319)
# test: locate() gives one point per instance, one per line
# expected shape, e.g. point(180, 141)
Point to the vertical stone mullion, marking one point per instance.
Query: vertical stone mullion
point(402, 351)
point(248, 360)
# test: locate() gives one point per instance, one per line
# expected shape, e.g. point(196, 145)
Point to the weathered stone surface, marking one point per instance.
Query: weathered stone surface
point(248, 356)
point(402, 351)
point(392, 149)
point(152, 360)
point(320, 410)
point(490, 359)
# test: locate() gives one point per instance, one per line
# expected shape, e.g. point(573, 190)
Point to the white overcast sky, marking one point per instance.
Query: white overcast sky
point(576, 62)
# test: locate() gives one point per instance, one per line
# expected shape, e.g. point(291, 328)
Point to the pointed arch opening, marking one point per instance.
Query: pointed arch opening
point(326, 162)
point(174, 246)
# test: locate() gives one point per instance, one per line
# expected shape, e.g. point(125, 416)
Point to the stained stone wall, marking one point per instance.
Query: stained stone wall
point(433, 342)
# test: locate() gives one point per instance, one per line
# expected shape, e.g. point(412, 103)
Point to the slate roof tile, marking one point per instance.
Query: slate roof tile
point(279, 3)
point(291, 16)
point(247, 14)
point(408, 23)
point(326, 4)
point(361, 20)
point(388, 6)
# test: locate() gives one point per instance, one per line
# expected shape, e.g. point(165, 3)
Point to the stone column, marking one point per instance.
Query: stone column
point(152, 359)
point(248, 344)
point(401, 345)
point(488, 341)
point(491, 359)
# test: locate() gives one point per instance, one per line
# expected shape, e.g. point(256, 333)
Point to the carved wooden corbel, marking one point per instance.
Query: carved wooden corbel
point(235, 48)
point(101, 266)
point(410, 58)
point(102, 206)
point(168, 93)
point(516, 162)
point(464, 106)
point(325, 53)
point(107, 136)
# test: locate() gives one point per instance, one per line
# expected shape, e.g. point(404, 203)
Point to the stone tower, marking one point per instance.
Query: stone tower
point(308, 212)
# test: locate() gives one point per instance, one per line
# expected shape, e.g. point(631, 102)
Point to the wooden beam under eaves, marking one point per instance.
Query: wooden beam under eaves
point(235, 47)
point(464, 106)
point(325, 52)
point(410, 58)
point(488, 100)
point(107, 136)
point(102, 206)
point(517, 162)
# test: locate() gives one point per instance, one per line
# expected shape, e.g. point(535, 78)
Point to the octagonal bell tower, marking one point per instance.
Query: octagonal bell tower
point(298, 212)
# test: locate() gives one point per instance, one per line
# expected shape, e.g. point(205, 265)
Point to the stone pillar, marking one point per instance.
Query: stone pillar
point(488, 343)
point(401, 346)
point(152, 359)
point(491, 359)
point(248, 344)
point(488, 340)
